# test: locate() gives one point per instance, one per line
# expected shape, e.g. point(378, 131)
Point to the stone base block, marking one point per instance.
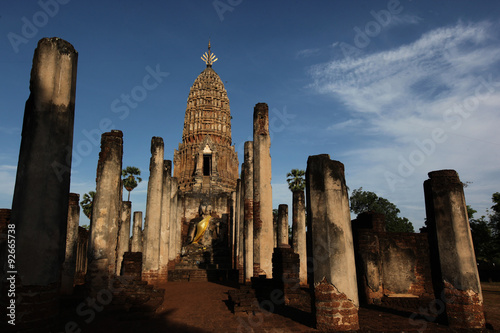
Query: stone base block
point(132, 265)
point(243, 300)
point(98, 276)
point(150, 276)
point(464, 308)
point(37, 309)
point(334, 311)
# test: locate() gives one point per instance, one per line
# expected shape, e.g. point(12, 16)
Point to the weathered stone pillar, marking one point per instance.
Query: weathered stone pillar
point(299, 233)
point(175, 223)
point(137, 233)
point(262, 192)
point(450, 237)
point(282, 231)
point(335, 288)
point(151, 248)
point(81, 255)
point(124, 234)
point(69, 266)
point(40, 203)
point(106, 214)
point(165, 220)
point(247, 175)
point(240, 240)
point(236, 196)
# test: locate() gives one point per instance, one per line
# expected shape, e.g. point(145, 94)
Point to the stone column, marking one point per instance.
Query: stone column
point(106, 213)
point(41, 193)
point(240, 240)
point(262, 192)
point(151, 249)
point(165, 220)
point(234, 235)
point(282, 231)
point(175, 223)
point(124, 234)
point(450, 237)
point(299, 233)
point(137, 233)
point(247, 175)
point(335, 287)
point(69, 266)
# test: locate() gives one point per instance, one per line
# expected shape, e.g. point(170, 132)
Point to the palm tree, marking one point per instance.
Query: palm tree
point(295, 179)
point(130, 181)
point(86, 203)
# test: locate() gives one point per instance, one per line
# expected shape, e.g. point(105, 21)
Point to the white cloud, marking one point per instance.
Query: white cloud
point(446, 82)
point(306, 53)
point(397, 20)
point(345, 124)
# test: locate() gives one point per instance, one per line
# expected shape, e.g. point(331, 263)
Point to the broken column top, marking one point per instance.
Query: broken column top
point(74, 199)
point(445, 179)
point(63, 46)
point(323, 161)
point(261, 119)
point(156, 141)
point(113, 133)
point(53, 74)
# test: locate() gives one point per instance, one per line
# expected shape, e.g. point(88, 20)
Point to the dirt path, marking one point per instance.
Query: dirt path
point(201, 307)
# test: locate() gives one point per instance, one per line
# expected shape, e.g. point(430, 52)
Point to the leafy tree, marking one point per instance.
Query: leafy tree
point(86, 204)
point(495, 216)
point(296, 180)
point(364, 201)
point(130, 181)
point(482, 237)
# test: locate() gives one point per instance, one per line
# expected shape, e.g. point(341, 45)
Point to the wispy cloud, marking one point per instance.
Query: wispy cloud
point(398, 20)
point(435, 67)
point(446, 82)
point(306, 53)
point(345, 124)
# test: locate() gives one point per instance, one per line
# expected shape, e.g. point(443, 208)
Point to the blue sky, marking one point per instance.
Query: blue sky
point(392, 89)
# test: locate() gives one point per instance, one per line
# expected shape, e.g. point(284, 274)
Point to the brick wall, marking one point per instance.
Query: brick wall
point(393, 269)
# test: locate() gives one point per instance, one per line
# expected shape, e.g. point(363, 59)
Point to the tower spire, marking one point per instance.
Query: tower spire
point(209, 58)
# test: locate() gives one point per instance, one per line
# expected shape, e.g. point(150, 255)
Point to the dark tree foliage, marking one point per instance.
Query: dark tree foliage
point(486, 234)
point(365, 201)
point(86, 204)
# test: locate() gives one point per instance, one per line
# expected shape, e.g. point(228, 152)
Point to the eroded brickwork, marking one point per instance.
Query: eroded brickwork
point(464, 308)
point(393, 268)
point(334, 311)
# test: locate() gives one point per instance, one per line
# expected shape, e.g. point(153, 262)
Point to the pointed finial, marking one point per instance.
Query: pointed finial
point(209, 58)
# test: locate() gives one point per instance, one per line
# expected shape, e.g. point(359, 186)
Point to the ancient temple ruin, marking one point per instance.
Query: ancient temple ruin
point(206, 168)
point(206, 222)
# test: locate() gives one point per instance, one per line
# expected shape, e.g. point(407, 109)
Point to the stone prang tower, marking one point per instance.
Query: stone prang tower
point(206, 168)
point(206, 162)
